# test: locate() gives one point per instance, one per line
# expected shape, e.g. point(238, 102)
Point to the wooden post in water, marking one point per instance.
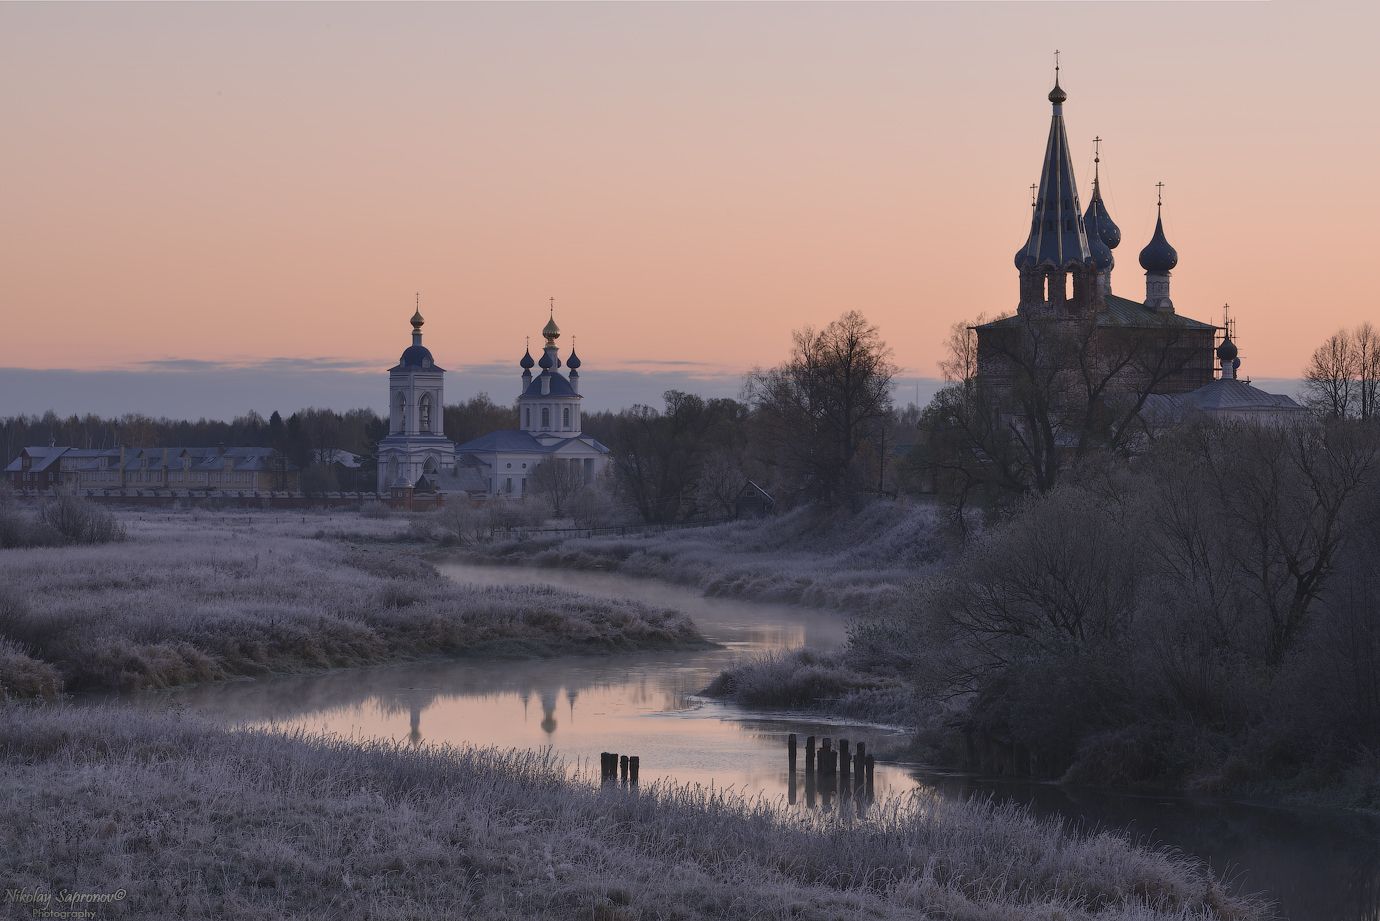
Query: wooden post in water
point(606, 766)
point(809, 754)
point(845, 760)
point(633, 763)
point(871, 764)
point(623, 769)
point(826, 756)
point(790, 753)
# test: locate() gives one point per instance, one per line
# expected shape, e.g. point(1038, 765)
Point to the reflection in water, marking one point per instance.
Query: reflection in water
point(1317, 865)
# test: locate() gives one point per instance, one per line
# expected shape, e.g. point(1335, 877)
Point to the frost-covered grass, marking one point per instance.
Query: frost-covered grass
point(199, 597)
point(198, 822)
point(856, 562)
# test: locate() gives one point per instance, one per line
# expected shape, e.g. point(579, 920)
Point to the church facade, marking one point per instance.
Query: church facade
point(1068, 319)
point(416, 455)
point(1065, 272)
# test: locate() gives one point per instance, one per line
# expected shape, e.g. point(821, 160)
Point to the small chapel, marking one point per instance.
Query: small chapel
point(416, 455)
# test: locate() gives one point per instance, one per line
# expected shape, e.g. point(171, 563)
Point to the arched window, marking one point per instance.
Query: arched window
point(565, 417)
point(546, 417)
point(424, 412)
point(402, 411)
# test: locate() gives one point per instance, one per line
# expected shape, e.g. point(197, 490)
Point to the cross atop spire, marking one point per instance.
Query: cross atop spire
point(551, 302)
point(1033, 187)
point(1159, 194)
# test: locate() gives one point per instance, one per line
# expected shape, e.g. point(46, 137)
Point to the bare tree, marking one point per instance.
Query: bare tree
point(721, 479)
point(558, 481)
point(829, 400)
point(1329, 379)
point(1052, 392)
point(1366, 347)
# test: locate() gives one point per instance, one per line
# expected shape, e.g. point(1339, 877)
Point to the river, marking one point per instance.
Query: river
point(1318, 866)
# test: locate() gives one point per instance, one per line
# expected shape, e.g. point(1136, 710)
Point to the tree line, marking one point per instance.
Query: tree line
point(817, 427)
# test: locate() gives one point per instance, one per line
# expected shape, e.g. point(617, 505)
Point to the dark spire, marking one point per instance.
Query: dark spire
point(527, 363)
point(1057, 238)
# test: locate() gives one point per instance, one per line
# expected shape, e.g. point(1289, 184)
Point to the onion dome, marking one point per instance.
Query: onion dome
point(1021, 257)
point(416, 356)
point(1158, 255)
point(1057, 95)
point(417, 320)
point(527, 363)
point(573, 362)
point(1097, 209)
point(551, 331)
point(1227, 350)
point(547, 362)
point(1101, 252)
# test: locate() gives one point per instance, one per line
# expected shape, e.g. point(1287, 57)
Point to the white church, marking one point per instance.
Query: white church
point(417, 456)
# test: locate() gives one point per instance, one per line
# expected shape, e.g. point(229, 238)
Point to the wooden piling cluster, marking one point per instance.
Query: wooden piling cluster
point(830, 771)
point(615, 768)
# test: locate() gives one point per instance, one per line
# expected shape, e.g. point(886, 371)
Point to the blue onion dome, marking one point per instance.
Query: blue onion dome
point(1101, 252)
point(1097, 214)
point(1097, 244)
point(1227, 350)
point(527, 363)
point(416, 356)
point(573, 362)
point(547, 362)
point(1022, 256)
point(1158, 255)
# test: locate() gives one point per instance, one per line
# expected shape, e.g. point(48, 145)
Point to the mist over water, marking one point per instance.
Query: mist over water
point(1319, 866)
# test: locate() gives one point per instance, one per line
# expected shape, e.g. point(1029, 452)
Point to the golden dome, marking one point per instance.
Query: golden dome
point(417, 320)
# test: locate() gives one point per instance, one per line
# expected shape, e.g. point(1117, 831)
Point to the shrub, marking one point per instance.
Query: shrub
point(79, 521)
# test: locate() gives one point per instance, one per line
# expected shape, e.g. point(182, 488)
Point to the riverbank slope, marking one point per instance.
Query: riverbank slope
point(197, 596)
point(190, 820)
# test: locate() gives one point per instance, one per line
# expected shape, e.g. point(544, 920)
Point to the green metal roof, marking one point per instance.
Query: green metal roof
point(1121, 312)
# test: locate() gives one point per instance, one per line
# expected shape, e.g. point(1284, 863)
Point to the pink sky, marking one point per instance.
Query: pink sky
point(691, 182)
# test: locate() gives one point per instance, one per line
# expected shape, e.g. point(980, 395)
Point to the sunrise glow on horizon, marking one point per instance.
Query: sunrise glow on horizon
point(233, 183)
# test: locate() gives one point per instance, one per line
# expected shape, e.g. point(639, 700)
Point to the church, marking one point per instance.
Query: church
point(1068, 319)
point(416, 456)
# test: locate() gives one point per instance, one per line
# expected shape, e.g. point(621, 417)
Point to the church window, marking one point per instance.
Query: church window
point(546, 417)
point(424, 412)
point(527, 417)
point(565, 417)
point(402, 411)
point(508, 485)
point(1068, 280)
